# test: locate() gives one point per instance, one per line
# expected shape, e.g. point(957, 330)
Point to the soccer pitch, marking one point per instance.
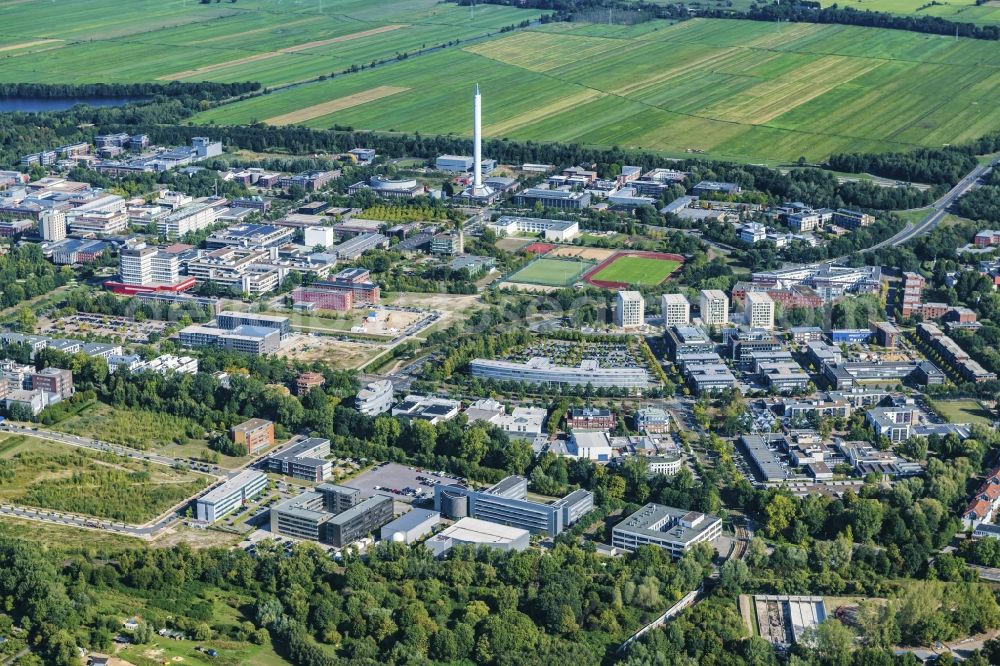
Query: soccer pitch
point(550, 272)
point(637, 271)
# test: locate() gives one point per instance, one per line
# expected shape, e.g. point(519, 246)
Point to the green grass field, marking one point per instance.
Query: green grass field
point(963, 411)
point(637, 271)
point(250, 40)
point(550, 272)
point(966, 12)
point(742, 90)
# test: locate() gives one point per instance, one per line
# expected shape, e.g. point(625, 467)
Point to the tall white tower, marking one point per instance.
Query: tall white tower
point(478, 190)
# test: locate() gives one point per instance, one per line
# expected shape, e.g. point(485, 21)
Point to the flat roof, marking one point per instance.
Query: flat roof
point(659, 521)
point(474, 530)
point(244, 478)
point(411, 519)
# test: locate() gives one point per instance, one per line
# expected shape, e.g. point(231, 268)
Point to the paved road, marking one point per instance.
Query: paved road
point(935, 213)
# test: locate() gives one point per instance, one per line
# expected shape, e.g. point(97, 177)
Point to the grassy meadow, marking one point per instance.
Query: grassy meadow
point(735, 89)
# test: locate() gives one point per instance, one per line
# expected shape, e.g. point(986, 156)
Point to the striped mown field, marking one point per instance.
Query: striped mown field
point(740, 90)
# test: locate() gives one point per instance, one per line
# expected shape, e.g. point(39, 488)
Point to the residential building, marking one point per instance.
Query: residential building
point(674, 530)
point(676, 310)
point(540, 370)
point(450, 243)
point(375, 398)
point(714, 307)
point(411, 526)
point(959, 360)
point(304, 460)
point(987, 238)
point(476, 533)
point(891, 422)
point(630, 308)
point(886, 334)
point(985, 502)
point(506, 503)
point(307, 381)
point(913, 287)
point(759, 310)
point(851, 219)
point(255, 434)
point(231, 495)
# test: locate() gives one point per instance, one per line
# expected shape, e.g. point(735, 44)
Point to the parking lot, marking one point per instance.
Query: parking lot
point(390, 477)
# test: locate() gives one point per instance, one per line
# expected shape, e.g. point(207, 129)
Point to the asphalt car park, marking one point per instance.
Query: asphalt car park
point(400, 482)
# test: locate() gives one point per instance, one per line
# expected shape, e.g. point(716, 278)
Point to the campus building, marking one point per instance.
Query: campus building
point(476, 533)
point(231, 495)
point(255, 340)
point(552, 230)
point(759, 310)
point(506, 503)
point(675, 530)
point(304, 460)
point(331, 514)
point(375, 398)
point(255, 434)
point(229, 321)
point(676, 310)
point(630, 309)
point(540, 370)
point(714, 307)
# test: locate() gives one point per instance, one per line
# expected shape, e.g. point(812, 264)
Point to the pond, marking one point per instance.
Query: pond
point(36, 104)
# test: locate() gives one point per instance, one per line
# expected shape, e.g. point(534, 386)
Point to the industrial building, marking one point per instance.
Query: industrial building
point(675, 530)
point(506, 503)
point(231, 495)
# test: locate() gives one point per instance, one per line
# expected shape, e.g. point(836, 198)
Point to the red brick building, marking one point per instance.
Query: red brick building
point(256, 434)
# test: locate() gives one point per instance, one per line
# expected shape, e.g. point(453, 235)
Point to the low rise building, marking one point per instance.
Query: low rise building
point(540, 370)
point(652, 420)
point(375, 398)
point(427, 408)
point(674, 530)
point(552, 230)
point(304, 460)
point(255, 434)
point(476, 533)
point(331, 514)
point(411, 526)
point(307, 381)
point(230, 496)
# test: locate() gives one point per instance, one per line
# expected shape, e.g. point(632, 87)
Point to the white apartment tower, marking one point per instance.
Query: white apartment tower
point(147, 266)
point(714, 306)
point(676, 310)
point(759, 310)
point(630, 309)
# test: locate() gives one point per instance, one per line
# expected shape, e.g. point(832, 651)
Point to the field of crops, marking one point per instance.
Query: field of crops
point(550, 272)
point(249, 40)
point(735, 89)
point(968, 12)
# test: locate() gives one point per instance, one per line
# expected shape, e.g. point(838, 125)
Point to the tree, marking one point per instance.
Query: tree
point(733, 575)
point(473, 445)
point(517, 455)
point(834, 642)
point(779, 513)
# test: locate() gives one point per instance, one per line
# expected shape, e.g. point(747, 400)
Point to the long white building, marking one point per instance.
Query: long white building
point(230, 495)
point(552, 230)
point(541, 370)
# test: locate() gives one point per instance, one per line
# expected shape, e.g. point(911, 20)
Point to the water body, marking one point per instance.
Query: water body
point(36, 104)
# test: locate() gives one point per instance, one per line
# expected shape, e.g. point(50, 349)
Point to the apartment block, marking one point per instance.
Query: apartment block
point(676, 310)
point(714, 306)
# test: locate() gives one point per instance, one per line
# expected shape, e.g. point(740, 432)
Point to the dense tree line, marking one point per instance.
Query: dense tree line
point(132, 90)
point(983, 203)
point(936, 166)
point(25, 274)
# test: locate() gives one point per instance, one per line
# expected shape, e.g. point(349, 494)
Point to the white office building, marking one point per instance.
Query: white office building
point(759, 310)
point(714, 305)
point(318, 236)
point(230, 495)
point(630, 309)
point(676, 310)
point(675, 530)
point(52, 225)
point(147, 266)
point(375, 398)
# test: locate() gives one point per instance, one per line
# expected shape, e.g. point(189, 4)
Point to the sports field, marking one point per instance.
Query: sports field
point(743, 90)
point(83, 41)
point(550, 272)
point(635, 271)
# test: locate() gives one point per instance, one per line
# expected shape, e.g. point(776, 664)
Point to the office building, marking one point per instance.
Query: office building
point(230, 320)
point(143, 266)
point(891, 422)
point(714, 307)
point(304, 460)
point(250, 235)
point(676, 310)
point(323, 515)
point(476, 533)
point(665, 465)
point(448, 243)
point(231, 495)
point(675, 530)
point(559, 198)
point(194, 216)
point(590, 418)
point(652, 420)
point(506, 503)
point(56, 381)
point(427, 408)
point(243, 339)
point(630, 309)
point(411, 526)
point(375, 398)
point(255, 434)
point(52, 225)
point(852, 219)
point(912, 293)
point(759, 310)
point(321, 236)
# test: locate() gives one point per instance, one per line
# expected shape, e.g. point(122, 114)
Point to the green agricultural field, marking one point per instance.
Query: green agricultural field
point(51, 475)
point(637, 271)
point(967, 12)
point(550, 272)
point(742, 90)
point(252, 40)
